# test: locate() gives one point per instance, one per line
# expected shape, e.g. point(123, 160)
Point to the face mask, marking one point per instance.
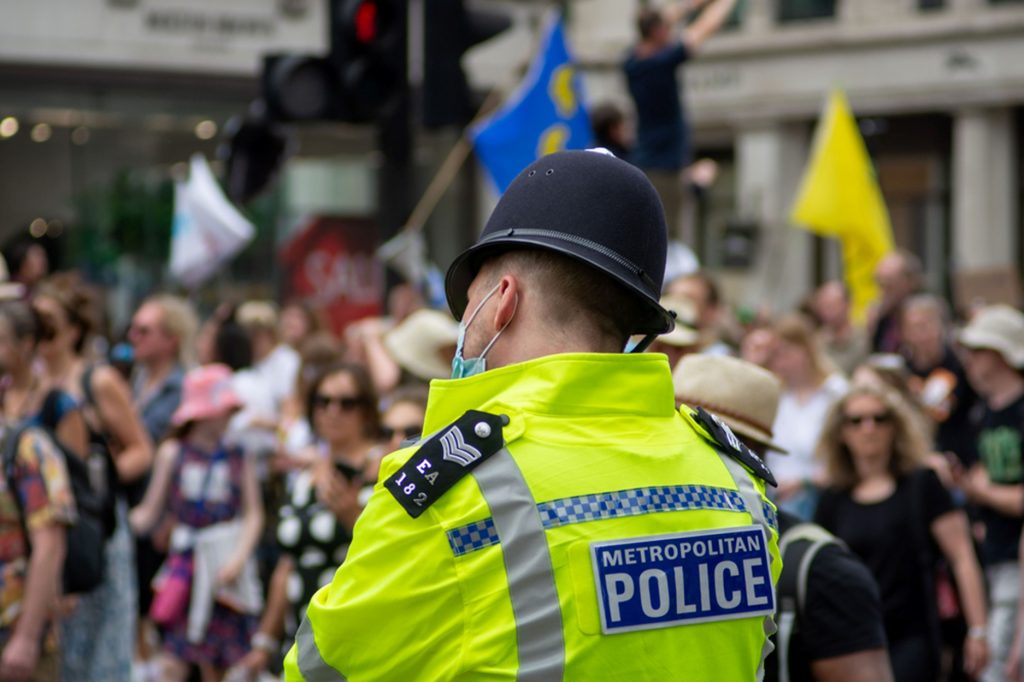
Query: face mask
point(467, 367)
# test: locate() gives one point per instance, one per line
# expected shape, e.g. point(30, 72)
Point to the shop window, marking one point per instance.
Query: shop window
point(800, 10)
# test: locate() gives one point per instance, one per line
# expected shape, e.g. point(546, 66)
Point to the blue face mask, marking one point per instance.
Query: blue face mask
point(467, 367)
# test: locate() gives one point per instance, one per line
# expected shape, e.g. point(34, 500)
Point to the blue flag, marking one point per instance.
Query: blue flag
point(546, 114)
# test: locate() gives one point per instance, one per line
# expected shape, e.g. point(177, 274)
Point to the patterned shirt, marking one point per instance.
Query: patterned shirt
point(44, 490)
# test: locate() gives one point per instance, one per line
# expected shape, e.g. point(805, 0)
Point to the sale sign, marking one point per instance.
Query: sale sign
point(330, 265)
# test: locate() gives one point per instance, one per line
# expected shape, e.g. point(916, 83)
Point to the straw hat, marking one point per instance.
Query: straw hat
point(740, 393)
point(999, 328)
point(419, 344)
point(685, 332)
point(207, 392)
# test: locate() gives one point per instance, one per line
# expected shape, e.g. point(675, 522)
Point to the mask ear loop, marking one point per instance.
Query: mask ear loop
point(487, 348)
point(480, 305)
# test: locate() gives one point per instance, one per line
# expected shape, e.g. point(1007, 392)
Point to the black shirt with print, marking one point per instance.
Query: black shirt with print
point(998, 443)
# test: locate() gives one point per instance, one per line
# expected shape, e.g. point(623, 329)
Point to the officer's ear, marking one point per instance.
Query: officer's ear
point(509, 289)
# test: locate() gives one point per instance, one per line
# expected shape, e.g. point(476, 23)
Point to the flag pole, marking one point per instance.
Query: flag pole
point(445, 175)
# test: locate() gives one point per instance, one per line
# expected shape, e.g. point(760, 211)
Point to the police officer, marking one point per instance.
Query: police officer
point(564, 520)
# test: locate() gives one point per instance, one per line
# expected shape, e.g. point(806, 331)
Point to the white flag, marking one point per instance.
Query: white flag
point(208, 230)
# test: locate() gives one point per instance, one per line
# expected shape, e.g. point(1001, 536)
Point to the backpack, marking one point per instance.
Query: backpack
point(798, 546)
point(86, 540)
point(100, 463)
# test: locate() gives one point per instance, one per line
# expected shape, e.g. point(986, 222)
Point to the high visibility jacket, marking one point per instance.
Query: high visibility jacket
point(607, 541)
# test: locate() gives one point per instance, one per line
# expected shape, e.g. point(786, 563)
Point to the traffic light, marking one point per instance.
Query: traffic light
point(361, 76)
point(301, 88)
point(368, 50)
point(449, 29)
point(254, 149)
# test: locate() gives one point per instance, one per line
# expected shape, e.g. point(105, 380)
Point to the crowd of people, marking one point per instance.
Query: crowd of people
point(230, 459)
point(174, 494)
point(238, 453)
point(903, 438)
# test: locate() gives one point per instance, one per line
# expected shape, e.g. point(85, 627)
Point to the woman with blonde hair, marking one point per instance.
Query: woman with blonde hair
point(810, 386)
point(893, 512)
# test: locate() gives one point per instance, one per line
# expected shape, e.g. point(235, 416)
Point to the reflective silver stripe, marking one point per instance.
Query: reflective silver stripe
point(311, 663)
point(786, 621)
point(752, 498)
point(531, 578)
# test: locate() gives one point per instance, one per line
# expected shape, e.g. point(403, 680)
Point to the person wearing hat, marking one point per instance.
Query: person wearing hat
point(836, 634)
point(994, 362)
point(423, 344)
point(564, 520)
point(685, 337)
point(210, 490)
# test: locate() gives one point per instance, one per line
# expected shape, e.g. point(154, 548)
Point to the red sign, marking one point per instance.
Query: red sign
point(331, 265)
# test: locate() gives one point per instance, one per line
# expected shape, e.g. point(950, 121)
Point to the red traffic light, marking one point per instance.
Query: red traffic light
point(365, 22)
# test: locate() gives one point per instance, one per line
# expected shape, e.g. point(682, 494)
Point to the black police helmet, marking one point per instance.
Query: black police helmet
point(587, 205)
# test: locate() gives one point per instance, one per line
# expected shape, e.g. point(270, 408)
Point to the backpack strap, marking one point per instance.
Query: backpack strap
point(49, 413)
point(90, 397)
point(798, 546)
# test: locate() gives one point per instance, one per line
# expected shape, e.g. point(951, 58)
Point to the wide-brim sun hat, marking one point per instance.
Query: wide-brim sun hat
point(999, 328)
point(207, 393)
point(742, 394)
point(587, 205)
point(685, 332)
point(419, 342)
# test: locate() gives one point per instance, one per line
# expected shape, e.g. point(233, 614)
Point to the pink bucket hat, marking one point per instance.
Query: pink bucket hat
point(207, 393)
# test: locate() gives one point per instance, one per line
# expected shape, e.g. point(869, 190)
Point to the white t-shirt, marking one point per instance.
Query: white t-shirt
point(798, 426)
point(278, 371)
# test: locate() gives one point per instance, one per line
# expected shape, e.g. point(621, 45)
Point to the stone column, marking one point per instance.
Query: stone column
point(984, 174)
point(770, 160)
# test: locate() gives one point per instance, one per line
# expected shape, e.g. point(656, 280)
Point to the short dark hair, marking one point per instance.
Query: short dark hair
point(578, 295)
point(232, 345)
point(603, 118)
point(647, 20)
point(365, 387)
point(16, 251)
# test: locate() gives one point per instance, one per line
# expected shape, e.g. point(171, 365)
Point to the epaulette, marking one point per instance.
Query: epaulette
point(721, 437)
point(445, 458)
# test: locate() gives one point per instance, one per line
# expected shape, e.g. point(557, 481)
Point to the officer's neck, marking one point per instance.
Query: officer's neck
point(529, 342)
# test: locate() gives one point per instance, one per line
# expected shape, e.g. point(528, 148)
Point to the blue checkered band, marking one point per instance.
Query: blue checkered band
point(770, 515)
point(568, 510)
point(637, 501)
point(472, 537)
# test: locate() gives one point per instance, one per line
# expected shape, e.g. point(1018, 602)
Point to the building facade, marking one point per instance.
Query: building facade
point(938, 87)
point(110, 97)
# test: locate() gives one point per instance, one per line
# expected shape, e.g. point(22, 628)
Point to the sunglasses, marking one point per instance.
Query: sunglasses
point(876, 419)
point(406, 432)
point(345, 403)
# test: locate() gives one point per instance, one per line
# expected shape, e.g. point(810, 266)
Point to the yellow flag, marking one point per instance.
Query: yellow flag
point(839, 197)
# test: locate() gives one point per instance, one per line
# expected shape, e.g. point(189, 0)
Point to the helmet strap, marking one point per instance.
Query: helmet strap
point(644, 343)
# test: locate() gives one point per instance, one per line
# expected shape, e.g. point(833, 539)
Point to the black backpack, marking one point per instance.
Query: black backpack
point(100, 462)
point(798, 546)
point(86, 539)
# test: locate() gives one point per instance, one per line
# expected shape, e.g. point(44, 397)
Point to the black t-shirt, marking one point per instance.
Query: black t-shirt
point(842, 613)
point(662, 136)
point(881, 534)
point(949, 398)
point(998, 443)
